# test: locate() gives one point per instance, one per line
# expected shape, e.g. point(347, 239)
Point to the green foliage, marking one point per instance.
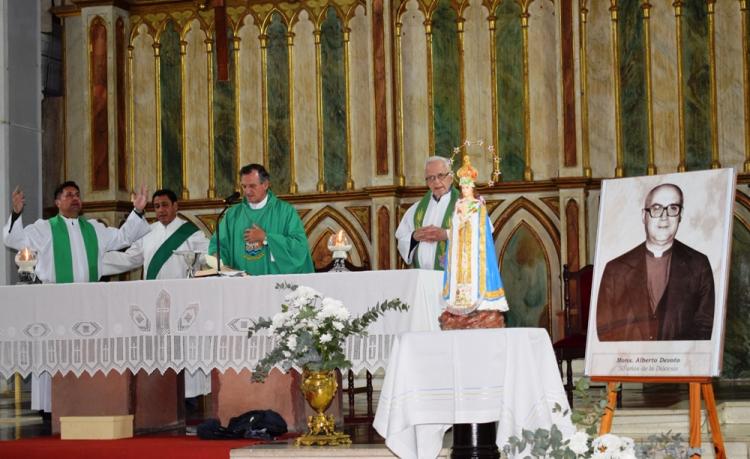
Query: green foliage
point(585, 444)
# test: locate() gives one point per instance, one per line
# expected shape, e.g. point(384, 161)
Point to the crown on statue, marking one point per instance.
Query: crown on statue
point(467, 174)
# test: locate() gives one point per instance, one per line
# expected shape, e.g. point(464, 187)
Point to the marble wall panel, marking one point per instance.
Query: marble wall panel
point(664, 88)
point(730, 93)
point(196, 111)
point(250, 97)
point(144, 109)
point(509, 54)
point(279, 132)
point(737, 328)
point(633, 103)
point(225, 128)
point(414, 94)
point(100, 36)
point(478, 81)
point(526, 280)
point(446, 87)
point(544, 87)
point(76, 79)
point(121, 130)
point(305, 105)
point(601, 92)
point(171, 108)
point(696, 86)
point(360, 87)
point(528, 259)
point(334, 101)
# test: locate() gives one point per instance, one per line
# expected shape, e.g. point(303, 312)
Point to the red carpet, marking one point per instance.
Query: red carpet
point(130, 448)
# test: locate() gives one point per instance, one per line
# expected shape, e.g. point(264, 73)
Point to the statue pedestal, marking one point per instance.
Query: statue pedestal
point(475, 441)
point(490, 318)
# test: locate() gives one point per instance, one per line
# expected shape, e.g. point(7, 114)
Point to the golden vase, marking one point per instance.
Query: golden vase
point(319, 389)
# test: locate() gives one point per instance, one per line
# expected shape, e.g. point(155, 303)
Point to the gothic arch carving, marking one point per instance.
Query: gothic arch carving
point(547, 317)
point(523, 203)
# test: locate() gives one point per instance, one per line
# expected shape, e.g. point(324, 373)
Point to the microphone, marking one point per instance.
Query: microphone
point(232, 198)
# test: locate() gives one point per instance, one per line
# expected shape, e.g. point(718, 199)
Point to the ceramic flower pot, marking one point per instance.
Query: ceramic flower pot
point(319, 389)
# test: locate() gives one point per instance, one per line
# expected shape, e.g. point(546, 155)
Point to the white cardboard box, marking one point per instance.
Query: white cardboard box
point(96, 427)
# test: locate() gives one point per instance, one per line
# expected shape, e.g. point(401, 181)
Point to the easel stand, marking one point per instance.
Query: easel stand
point(698, 386)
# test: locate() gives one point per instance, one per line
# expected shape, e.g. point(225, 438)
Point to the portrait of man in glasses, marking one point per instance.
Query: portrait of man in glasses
point(661, 290)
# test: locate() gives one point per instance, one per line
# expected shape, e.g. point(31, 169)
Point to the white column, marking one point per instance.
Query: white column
point(4, 160)
point(20, 113)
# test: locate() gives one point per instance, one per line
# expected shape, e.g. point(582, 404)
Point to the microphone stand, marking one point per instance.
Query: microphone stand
point(227, 204)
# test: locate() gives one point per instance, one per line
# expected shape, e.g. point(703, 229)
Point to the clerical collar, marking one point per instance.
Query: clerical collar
point(447, 193)
point(656, 253)
point(259, 205)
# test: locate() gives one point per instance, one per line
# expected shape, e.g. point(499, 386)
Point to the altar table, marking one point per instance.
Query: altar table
point(437, 379)
point(148, 331)
point(189, 324)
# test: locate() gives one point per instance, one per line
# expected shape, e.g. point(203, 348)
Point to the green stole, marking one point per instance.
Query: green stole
point(167, 248)
point(419, 217)
point(63, 255)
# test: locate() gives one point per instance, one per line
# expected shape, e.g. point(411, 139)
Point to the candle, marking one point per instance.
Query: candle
point(340, 238)
point(25, 254)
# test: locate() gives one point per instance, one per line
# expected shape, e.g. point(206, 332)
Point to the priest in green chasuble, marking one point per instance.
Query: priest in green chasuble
point(262, 234)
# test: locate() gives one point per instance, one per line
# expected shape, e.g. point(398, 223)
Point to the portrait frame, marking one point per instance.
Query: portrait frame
point(705, 226)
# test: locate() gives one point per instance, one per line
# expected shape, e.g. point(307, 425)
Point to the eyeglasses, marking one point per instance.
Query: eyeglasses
point(432, 178)
point(657, 210)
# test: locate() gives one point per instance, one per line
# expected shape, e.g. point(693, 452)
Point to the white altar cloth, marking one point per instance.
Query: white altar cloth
point(191, 323)
point(436, 379)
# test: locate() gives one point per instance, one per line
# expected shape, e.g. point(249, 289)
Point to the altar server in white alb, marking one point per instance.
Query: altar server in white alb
point(423, 231)
point(69, 249)
point(155, 252)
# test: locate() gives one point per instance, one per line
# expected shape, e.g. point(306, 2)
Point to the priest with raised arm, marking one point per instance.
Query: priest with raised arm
point(69, 249)
point(262, 234)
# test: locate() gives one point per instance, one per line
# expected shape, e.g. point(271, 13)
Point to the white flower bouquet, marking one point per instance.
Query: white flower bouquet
point(311, 329)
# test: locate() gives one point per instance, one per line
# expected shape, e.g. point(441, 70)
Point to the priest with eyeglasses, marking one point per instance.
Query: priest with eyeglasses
point(423, 232)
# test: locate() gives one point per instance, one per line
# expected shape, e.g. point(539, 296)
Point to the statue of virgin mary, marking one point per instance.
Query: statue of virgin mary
point(472, 279)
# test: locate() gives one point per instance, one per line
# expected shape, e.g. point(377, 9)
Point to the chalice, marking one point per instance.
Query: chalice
point(190, 257)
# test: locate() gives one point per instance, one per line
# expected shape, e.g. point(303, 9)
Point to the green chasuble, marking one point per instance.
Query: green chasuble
point(287, 251)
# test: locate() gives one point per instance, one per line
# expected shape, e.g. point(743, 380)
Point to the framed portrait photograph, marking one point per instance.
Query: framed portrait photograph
point(658, 299)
